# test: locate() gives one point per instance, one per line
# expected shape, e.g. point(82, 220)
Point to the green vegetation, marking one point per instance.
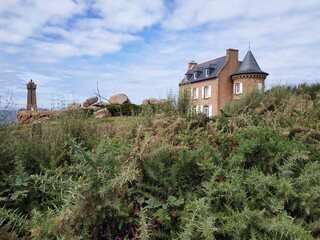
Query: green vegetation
point(253, 172)
point(126, 109)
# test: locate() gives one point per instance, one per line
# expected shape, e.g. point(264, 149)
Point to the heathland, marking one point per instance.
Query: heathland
point(164, 172)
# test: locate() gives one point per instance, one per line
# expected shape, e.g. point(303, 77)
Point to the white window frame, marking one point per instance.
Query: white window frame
point(206, 91)
point(206, 110)
point(207, 72)
point(195, 75)
point(195, 109)
point(238, 88)
point(210, 110)
point(260, 87)
point(195, 92)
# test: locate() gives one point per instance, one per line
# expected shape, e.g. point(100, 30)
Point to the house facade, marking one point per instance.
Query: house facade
point(213, 83)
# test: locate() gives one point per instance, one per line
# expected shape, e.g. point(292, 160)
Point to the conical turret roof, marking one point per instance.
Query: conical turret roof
point(249, 65)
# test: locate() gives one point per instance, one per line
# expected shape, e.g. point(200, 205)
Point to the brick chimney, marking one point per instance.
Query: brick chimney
point(232, 58)
point(191, 65)
point(232, 54)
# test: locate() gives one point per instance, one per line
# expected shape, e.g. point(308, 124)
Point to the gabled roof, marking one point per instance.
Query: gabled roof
point(214, 65)
point(249, 65)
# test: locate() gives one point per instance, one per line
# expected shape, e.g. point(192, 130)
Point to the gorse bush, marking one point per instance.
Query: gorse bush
point(126, 109)
point(280, 106)
point(253, 172)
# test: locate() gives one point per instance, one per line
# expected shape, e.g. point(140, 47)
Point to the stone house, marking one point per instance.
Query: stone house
point(213, 83)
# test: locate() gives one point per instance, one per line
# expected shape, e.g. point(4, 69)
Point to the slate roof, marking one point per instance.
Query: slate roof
point(249, 65)
point(214, 65)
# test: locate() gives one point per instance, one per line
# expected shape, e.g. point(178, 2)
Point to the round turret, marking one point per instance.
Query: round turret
point(248, 77)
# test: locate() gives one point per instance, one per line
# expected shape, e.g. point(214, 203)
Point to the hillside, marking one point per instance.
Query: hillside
point(253, 172)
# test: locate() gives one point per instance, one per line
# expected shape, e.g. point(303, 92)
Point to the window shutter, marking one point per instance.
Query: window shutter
point(202, 92)
point(234, 88)
point(197, 92)
point(260, 87)
point(210, 110)
point(201, 108)
point(240, 87)
point(209, 91)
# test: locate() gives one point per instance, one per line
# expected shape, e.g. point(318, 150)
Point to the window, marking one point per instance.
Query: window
point(206, 91)
point(195, 75)
point(238, 88)
point(260, 87)
point(194, 94)
point(195, 109)
point(187, 76)
point(207, 110)
point(207, 72)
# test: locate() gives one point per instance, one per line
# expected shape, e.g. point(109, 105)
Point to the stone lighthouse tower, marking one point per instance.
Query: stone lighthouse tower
point(32, 98)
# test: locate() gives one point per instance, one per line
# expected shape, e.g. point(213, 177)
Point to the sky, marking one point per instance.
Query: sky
point(73, 49)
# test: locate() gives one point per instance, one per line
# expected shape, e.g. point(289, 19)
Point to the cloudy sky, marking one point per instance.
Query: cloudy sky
point(142, 47)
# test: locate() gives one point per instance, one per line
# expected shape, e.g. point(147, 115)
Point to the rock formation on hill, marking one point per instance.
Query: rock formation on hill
point(99, 108)
point(102, 113)
point(119, 98)
point(153, 101)
point(90, 101)
point(31, 116)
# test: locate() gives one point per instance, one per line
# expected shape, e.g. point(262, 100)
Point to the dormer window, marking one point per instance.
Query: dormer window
point(210, 69)
point(195, 75)
point(207, 72)
point(188, 75)
point(197, 72)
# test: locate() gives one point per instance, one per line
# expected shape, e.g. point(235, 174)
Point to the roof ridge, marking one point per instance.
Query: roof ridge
point(211, 60)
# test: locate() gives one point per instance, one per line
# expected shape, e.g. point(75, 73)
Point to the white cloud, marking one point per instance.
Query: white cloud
point(68, 48)
point(189, 14)
point(130, 15)
point(21, 20)
point(44, 28)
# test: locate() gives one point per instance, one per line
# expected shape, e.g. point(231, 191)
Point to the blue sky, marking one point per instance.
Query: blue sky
point(142, 47)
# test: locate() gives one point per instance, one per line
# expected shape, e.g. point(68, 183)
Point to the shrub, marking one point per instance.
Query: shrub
point(127, 109)
point(251, 173)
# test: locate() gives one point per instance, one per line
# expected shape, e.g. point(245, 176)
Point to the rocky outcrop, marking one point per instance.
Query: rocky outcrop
point(153, 101)
point(32, 116)
point(23, 116)
point(119, 99)
point(90, 101)
point(95, 108)
point(102, 113)
point(145, 102)
point(73, 106)
point(100, 104)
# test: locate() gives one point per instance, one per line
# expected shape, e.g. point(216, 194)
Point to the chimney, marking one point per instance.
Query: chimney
point(232, 54)
point(191, 65)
